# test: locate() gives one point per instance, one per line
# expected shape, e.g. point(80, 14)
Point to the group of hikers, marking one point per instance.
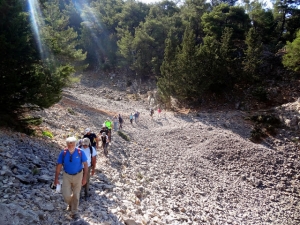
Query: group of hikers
point(79, 160)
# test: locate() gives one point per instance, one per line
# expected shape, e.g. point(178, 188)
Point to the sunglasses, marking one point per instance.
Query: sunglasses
point(71, 157)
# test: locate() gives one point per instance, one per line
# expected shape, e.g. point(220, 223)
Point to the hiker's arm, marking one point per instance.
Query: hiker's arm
point(94, 160)
point(57, 171)
point(84, 173)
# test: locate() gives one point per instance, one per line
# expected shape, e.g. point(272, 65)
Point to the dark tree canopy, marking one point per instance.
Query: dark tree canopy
point(209, 46)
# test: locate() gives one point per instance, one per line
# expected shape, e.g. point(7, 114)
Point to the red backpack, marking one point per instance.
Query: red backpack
point(65, 152)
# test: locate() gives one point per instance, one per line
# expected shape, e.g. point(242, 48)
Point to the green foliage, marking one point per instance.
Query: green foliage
point(27, 81)
point(99, 36)
point(262, 20)
point(47, 134)
point(253, 56)
point(35, 171)
point(257, 134)
point(32, 121)
point(265, 124)
point(124, 136)
point(223, 16)
point(139, 176)
point(291, 60)
point(71, 111)
point(286, 14)
point(268, 119)
point(167, 81)
point(192, 49)
point(186, 66)
point(260, 93)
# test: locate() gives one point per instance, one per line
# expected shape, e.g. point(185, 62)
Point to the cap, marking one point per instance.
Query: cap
point(87, 130)
point(85, 141)
point(71, 139)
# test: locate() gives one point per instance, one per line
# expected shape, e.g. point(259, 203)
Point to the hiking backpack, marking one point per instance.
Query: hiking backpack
point(91, 151)
point(65, 152)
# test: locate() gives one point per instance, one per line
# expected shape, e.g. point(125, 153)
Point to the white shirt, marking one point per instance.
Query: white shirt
point(87, 152)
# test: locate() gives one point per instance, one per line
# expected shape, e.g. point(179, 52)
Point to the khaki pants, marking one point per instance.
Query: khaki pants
point(86, 187)
point(71, 187)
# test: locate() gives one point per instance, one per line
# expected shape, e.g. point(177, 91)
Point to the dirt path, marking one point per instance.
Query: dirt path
point(181, 169)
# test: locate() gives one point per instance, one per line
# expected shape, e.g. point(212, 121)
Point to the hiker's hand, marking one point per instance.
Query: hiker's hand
point(83, 181)
point(56, 182)
point(93, 172)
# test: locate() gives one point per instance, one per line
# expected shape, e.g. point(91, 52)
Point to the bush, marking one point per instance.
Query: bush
point(124, 136)
point(139, 176)
point(71, 111)
point(257, 133)
point(264, 124)
point(268, 119)
point(47, 134)
point(260, 93)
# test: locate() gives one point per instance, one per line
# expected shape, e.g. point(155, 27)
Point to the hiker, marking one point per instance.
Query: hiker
point(151, 113)
point(158, 111)
point(92, 136)
point(105, 141)
point(91, 154)
point(136, 116)
point(115, 120)
point(120, 122)
point(108, 124)
point(103, 129)
point(131, 118)
point(72, 159)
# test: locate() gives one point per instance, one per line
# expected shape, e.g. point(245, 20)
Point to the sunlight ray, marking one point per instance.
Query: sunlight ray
point(37, 22)
point(92, 23)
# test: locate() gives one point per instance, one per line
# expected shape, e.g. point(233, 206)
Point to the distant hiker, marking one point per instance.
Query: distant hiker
point(91, 154)
point(103, 129)
point(136, 116)
point(131, 118)
point(105, 141)
point(120, 122)
point(158, 111)
point(108, 123)
point(72, 159)
point(92, 136)
point(151, 113)
point(115, 120)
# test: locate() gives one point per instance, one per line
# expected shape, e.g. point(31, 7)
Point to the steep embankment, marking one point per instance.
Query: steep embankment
point(176, 169)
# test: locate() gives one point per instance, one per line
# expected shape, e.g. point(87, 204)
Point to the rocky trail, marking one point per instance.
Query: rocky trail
point(176, 169)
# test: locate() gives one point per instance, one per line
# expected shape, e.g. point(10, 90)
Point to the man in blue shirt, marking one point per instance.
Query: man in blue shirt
point(72, 160)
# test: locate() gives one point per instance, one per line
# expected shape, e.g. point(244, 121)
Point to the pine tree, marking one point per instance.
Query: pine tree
point(187, 66)
point(291, 60)
point(28, 81)
point(167, 79)
point(253, 56)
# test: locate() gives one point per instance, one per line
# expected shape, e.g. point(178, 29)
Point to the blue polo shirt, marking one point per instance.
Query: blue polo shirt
point(76, 165)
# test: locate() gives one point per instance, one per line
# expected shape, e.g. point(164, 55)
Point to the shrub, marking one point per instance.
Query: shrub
point(47, 134)
point(264, 124)
point(139, 176)
point(257, 133)
point(268, 119)
point(35, 171)
point(71, 111)
point(124, 136)
point(260, 93)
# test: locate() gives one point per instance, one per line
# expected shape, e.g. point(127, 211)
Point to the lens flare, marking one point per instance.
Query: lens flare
point(37, 21)
point(95, 27)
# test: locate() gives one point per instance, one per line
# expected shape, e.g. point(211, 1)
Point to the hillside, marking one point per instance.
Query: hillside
point(197, 168)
